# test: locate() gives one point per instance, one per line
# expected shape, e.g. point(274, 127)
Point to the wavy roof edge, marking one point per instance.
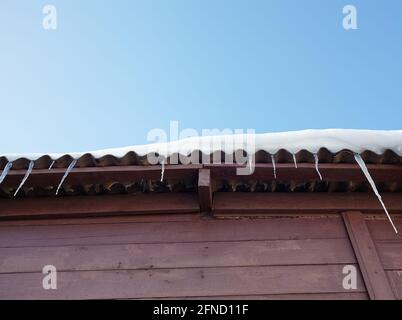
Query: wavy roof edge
point(334, 140)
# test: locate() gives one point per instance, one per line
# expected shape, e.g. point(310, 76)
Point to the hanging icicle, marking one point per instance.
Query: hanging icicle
point(294, 160)
point(273, 165)
point(363, 167)
point(29, 170)
point(52, 164)
point(5, 171)
point(316, 165)
point(163, 169)
point(70, 167)
point(250, 163)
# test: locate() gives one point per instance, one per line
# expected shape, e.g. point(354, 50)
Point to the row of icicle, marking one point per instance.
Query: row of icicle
point(9, 165)
point(358, 159)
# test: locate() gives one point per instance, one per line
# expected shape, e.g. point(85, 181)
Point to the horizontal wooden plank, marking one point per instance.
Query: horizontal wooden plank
point(86, 206)
point(381, 229)
point(178, 282)
point(307, 172)
point(240, 202)
point(178, 255)
point(224, 203)
point(92, 175)
point(197, 231)
point(137, 218)
point(390, 254)
point(395, 278)
point(305, 296)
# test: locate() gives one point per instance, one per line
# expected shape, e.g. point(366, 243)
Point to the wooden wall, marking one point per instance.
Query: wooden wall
point(389, 247)
point(186, 256)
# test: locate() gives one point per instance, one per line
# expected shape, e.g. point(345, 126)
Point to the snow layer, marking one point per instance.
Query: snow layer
point(334, 140)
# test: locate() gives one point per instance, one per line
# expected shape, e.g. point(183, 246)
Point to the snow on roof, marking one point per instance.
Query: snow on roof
point(335, 140)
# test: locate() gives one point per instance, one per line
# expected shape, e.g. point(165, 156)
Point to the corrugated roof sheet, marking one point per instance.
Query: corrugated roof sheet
point(331, 145)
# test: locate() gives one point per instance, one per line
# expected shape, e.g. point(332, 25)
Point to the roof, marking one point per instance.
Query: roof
point(127, 170)
point(331, 145)
point(317, 160)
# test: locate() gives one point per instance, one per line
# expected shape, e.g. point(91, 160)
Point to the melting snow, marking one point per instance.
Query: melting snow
point(334, 140)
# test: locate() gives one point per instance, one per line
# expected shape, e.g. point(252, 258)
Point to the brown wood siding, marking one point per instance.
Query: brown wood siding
point(389, 247)
point(179, 256)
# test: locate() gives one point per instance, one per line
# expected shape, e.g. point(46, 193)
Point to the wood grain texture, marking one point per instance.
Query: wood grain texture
point(395, 278)
point(205, 190)
point(319, 202)
point(87, 206)
point(224, 203)
point(160, 232)
point(178, 282)
point(137, 218)
point(181, 256)
point(381, 229)
point(370, 265)
point(305, 296)
point(390, 254)
point(178, 255)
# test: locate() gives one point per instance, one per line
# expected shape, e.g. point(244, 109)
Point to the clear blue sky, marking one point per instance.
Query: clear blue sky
point(113, 70)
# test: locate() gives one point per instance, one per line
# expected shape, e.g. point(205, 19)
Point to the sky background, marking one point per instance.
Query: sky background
point(114, 70)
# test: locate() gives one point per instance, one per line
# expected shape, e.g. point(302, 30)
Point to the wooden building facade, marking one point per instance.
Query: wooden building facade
point(119, 232)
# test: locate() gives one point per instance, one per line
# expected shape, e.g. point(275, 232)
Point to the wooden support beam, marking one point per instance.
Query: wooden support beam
point(319, 202)
point(205, 190)
point(331, 172)
point(377, 284)
point(87, 206)
point(224, 203)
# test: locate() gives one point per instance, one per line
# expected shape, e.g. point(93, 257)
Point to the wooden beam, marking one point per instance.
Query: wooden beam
point(90, 232)
point(224, 203)
point(319, 202)
point(306, 172)
point(177, 282)
point(85, 206)
point(82, 176)
point(205, 190)
point(370, 265)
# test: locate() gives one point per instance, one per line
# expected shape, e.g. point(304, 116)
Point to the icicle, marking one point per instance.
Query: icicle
point(294, 160)
point(29, 170)
point(362, 165)
point(250, 163)
point(163, 169)
point(273, 165)
point(70, 167)
point(52, 164)
point(5, 171)
point(316, 165)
